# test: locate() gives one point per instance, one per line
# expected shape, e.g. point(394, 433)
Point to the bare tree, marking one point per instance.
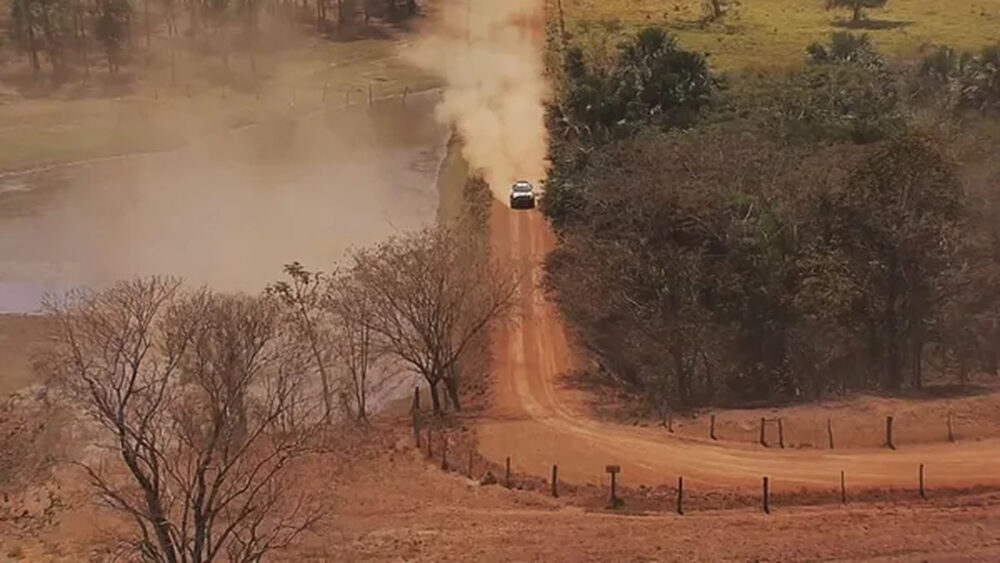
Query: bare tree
point(190, 390)
point(432, 292)
point(357, 346)
point(303, 297)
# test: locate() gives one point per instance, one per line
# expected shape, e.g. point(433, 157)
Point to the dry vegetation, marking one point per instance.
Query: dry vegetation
point(386, 503)
point(839, 235)
point(179, 87)
point(772, 33)
point(216, 416)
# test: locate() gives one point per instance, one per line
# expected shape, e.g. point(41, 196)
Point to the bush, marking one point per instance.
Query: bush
point(967, 81)
point(716, 266)
point(653, 82)
point(846, 47)
point(824, 103)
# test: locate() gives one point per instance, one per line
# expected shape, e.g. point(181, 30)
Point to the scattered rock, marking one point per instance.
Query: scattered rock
point(488, 478)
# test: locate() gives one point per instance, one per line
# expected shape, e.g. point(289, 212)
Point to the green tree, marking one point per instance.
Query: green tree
point(896, 232)
point(857, 7)
point(653, 81)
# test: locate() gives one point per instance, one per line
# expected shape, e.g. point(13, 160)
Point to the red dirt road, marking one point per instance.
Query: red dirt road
point(538, 420)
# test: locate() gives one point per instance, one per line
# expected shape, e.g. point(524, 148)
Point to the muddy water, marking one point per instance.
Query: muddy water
point(227, 212)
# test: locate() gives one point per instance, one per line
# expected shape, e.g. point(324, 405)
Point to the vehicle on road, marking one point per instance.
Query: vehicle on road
point(522, 195)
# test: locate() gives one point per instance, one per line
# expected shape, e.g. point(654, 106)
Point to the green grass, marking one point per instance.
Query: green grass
point(154, 110)
point(763, 34)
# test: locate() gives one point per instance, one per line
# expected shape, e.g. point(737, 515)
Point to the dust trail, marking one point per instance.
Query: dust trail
point(491, 55)
point(227, 212)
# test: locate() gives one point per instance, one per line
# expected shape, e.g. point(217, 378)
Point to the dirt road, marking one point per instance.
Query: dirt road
point(537, 420)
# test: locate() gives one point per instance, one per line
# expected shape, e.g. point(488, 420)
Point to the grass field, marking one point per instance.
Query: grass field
point(760, 34)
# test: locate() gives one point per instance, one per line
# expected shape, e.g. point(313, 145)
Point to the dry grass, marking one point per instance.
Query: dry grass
point(152, 107)
point(760, 34)
point(20, 335)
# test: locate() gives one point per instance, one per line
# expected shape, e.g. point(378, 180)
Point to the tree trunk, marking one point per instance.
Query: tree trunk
point(918, 360)
point(193, 22)
point(171, 20)
point(709, 378)
point(683, 382)
point(36, 66)
point(963, 367)
point(894, 374)
point(994, 354)
point(716, 9)
point(451, 384)
point(362, 399)
point(435, 399)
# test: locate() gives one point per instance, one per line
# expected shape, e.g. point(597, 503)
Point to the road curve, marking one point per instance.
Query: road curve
point(538, 420)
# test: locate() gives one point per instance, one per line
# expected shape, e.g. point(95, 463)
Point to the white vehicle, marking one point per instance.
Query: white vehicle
point(522, 195)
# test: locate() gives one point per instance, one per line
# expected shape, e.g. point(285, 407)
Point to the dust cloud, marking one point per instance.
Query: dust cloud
point(226, 212)
point(490, 54)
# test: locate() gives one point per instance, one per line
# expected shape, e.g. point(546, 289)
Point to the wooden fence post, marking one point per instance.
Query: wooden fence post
point(555, 481)
point(406, 91)
point(680, 495)
point(506, 478)
point(888, 433)
point(763, 436)
point(843, 488)
point(781, 434)
point(951, 436)
point(711, 428)
point(444, 452)
point(613, 470)
point(430, 452)
point(766, 497)
point(923, 493)
point(829, 432)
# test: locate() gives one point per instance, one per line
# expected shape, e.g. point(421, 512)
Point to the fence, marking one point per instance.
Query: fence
point(850, 430)
point(455, 452)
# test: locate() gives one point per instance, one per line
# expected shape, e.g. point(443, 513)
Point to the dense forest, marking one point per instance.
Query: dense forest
point(777, 236)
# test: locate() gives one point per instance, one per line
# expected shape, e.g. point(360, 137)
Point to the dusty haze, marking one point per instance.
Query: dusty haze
point(490, 55)
point(228, 212)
